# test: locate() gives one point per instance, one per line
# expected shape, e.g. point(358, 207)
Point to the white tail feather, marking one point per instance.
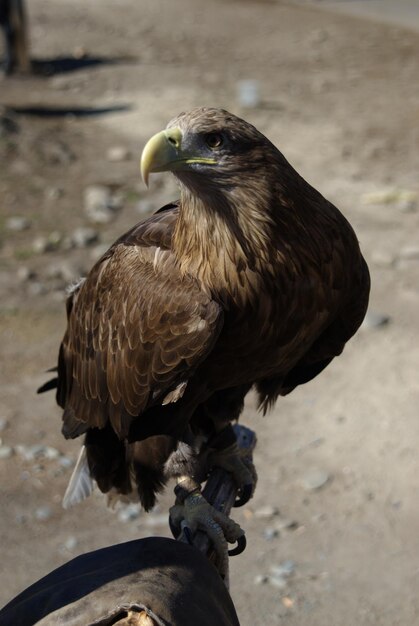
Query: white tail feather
point(81, 484)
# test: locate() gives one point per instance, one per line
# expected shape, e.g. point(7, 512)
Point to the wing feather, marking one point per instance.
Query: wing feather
point(81, 484)
point(137, 329)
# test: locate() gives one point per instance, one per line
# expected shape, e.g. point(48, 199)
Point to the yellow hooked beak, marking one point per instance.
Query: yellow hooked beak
point(163, 152)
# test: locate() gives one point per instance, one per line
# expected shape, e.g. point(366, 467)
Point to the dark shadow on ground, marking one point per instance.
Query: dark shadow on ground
point(65, 65)
point(53, 111)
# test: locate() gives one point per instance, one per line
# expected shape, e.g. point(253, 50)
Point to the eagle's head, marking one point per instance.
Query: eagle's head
point(228, 174)
point(209, 147)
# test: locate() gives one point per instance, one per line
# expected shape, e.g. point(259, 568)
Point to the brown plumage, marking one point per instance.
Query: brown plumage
point(251, 279)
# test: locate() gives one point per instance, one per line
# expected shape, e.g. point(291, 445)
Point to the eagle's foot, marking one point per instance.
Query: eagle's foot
point(236, 461)
point(192, 512)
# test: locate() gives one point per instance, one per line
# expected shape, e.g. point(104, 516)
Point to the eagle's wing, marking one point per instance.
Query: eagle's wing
point(340, 304)
point(137, 330)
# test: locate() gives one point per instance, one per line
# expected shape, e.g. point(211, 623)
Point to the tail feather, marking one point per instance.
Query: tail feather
point(48, 386)
point(148, 460)
point(81, 484)
point(150, 482)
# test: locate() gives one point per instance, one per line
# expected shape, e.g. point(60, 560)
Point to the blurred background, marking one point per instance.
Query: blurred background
point(332, 529)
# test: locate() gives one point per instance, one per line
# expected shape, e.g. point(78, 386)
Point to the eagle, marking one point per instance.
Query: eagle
point(252, 279)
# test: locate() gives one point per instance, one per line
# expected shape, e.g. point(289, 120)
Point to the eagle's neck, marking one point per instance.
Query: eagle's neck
point(224, 241)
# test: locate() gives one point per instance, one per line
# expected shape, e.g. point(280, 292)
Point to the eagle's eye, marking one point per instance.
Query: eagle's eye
point(214, 140)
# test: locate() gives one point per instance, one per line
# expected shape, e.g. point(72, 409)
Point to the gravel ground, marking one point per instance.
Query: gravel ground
point(332, 530)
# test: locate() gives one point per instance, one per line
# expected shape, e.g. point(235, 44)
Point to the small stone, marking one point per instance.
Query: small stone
point(316, 479)
point(287, 524)
point(248, 93)
point(43, 513)
point(279, 582)
point(118, 153)
point(65, 462)
point(261, 579)
point(98, 204)
point(104, 215)
point(84, 236)
point(25, 274)
point(3, 424)
point(79, 52)
point(54, 193)
point(18, 223)
point(70, 543)
point(271, 533)
point(375, 320)
point(281, 573)
point(96, 196)
point(391, 195)
point(266, 511)
point(23, 451)
point(50, 453)
point(129, 513)
point(42, 244)
point(407, 201)
point(316, 443)
point(54, 239)
point(384, 196)
point(382, 258)
point(6, 452)
point(409, 253)
point(286, 568)
point(37, 451)
point(407, 206)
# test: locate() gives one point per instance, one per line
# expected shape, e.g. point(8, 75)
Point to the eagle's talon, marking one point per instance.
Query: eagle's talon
point(241, 546)
point(244, 495)
point(197, 514)
point(236, 461)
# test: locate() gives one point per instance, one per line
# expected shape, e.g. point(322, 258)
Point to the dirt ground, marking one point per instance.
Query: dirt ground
point(340, 97)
